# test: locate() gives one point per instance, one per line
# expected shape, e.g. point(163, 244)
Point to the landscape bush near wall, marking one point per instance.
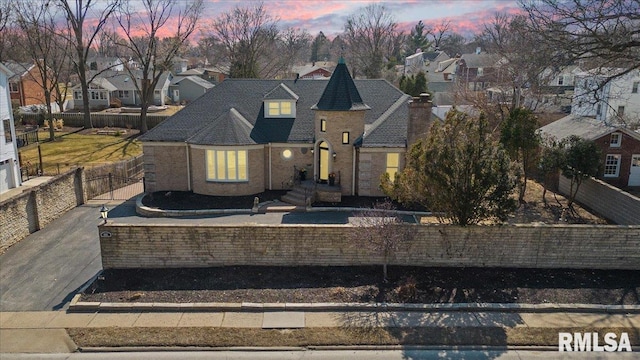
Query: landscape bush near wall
point(38, 206)
point(606, 200)
point(540, 246)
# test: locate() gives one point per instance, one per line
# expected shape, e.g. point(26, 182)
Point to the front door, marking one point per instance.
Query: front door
point(323, 161)
point(634, 171)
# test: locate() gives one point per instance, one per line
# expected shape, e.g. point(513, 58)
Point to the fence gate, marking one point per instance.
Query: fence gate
point(113, 187)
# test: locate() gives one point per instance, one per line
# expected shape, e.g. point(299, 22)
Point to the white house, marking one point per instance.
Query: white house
point(9, 166)
point(616, 102)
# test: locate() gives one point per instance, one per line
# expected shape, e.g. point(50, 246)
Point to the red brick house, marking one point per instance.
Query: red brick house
point(25, 86)
point(620, 147)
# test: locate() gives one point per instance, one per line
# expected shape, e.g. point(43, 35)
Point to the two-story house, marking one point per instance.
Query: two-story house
point(614, 102)
point(246, 136)
point(25, 86)
point(477, 71)
point(9, 166)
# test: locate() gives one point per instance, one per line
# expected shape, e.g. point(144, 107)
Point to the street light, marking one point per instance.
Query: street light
point(104, 212)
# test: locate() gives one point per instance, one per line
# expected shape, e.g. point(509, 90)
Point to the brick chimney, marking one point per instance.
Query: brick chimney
point(419, 118)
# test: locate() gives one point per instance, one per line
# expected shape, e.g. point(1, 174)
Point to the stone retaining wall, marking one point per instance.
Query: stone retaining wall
point(543, 246)
point(38, 206)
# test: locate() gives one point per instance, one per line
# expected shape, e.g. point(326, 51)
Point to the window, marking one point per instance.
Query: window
point(7, 131)
point(279, 109)
point(616, 139)
point(77, 95)
point(480, 71)
point(612, 165)
point(634, 90)
point(345, 137)
point(560, 80)
point(323, 125)
point(123, 93)
point(599, 109)
point(620, 111)
point(393, 162)
point(13, 87)
point(227, 165)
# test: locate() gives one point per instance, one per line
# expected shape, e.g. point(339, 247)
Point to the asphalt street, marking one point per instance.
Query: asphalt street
point(330, 355)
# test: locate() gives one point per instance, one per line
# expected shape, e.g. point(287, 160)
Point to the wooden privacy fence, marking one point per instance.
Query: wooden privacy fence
point(99, 120)
point(108, 178)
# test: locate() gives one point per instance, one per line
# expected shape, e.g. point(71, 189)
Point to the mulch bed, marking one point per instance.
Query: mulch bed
point(364, 284)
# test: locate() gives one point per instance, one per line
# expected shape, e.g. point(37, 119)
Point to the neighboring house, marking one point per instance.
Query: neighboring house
point(213, 74)
point(556, 92)
point(245, 136)
point(9, 166)
point(185, 89)
point(112, 85)
point(312, 71)
point(102, 63)
point(25, 84)
point(179, 65)
point(427, 62)
point(619, 145)
point(477, 71)
point(617, 102)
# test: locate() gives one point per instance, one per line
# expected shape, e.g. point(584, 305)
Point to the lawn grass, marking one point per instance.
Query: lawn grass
point(73, 149)
point(342, 336)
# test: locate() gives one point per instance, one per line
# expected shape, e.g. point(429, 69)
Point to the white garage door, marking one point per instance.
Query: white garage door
point(6, 180)
point(634, 172)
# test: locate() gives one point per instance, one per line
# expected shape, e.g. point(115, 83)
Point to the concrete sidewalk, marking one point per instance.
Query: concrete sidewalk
point(43, 331)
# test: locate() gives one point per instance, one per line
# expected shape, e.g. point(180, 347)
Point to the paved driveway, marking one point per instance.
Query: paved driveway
point(44, 270)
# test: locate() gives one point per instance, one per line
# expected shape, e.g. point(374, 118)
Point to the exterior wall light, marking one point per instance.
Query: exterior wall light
point(104, 213)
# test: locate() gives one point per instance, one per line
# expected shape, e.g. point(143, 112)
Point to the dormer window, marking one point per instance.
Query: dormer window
point(280, 108)
point(280, 103)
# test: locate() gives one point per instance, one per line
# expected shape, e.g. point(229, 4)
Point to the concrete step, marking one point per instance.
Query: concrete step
point(293, 199)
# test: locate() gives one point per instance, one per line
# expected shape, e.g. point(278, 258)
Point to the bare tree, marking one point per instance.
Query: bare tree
point(439, 33)
point(153, 55)
point(5, 14)
point(522, 65)
point(599, 34)
point(247, 33)
point(37, 20)
point(107, 43)
point(369, 35)
point(79, 13)
point(381, 230)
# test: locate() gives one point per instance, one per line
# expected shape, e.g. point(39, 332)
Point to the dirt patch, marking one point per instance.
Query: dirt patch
point(364, 284)
point(230, 337)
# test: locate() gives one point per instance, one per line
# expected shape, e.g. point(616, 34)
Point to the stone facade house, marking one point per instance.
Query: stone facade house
point(246, 136)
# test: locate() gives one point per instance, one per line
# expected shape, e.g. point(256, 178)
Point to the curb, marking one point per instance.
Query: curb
point(77, 305)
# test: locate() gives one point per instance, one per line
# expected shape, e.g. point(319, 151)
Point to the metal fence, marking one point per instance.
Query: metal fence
point(107, 179)
point(98, 120)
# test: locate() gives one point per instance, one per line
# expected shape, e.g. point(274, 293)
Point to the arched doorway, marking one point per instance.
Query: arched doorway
point(323, 161)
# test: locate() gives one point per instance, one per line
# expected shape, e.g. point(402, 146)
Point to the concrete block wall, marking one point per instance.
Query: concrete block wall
point(33, 209)
point(606, 200)
point(543, 246)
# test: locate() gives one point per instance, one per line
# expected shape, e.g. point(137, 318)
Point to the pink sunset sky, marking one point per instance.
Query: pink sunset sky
point(329, 16)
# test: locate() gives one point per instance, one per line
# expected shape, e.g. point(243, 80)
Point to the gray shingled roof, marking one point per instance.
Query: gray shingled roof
point(341, 93)
point(281, 92)
point(584, 127)
point(203, 120)
point(481, 60)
